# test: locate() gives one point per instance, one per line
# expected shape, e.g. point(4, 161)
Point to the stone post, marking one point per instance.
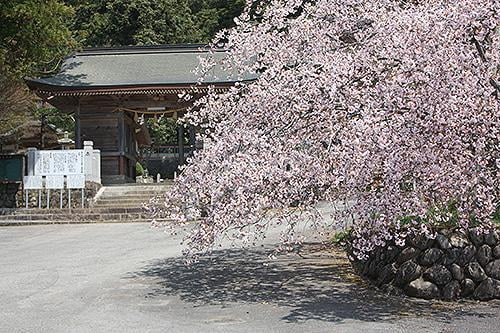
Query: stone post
point(88, 156)
point(96, 168)
point(31, 156)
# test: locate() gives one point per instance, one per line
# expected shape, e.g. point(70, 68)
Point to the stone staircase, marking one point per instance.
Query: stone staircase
point(113, 204)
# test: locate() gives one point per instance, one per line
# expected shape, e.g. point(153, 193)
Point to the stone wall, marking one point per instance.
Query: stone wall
point(453, 265)
point(9, 194)
point(91, 190)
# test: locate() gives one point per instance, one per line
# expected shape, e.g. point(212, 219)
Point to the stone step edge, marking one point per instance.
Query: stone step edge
point(57, 211)
point(76, 217)
point(32, 223)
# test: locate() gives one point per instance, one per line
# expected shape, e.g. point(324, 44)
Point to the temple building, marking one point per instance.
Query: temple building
point(109, 91)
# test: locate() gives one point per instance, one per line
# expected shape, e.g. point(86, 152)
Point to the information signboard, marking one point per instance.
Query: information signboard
point(33, 182)
point(59, 162)
point(75, 181)
point(54, 182)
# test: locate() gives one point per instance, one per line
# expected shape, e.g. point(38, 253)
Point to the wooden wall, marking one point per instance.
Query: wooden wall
point(99, 121)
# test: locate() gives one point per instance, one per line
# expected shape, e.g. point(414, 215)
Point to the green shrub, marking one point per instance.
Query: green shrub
point(341, 237)
point(139, 169)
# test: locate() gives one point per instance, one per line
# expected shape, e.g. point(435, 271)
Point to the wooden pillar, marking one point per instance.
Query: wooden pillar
point(121, 133)
point(78, 127)
point(180, 140)
point(122, 144)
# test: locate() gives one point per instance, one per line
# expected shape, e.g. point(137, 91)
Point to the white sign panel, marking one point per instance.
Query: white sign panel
point(33, 182)
point(75, 181)
point(54, 182)
point(59, 162)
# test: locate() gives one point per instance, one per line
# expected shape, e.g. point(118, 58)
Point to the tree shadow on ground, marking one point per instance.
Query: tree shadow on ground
point(319, 285)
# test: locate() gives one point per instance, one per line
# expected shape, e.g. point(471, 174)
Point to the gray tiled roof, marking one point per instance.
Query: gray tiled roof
point(130, 66)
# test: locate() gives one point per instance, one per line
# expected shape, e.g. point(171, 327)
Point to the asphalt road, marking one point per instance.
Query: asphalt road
point(131, 278)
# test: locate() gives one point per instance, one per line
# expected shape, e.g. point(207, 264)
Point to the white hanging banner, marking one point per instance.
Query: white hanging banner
point(54, 182)
point(59, 162)
point(32, 182)
point(75, 181)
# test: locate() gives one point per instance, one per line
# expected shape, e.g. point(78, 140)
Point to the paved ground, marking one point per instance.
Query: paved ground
point(130, 278)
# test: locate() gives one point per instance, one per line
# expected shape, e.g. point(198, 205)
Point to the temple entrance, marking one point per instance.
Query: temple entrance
point(171, 144)
point(119, 96)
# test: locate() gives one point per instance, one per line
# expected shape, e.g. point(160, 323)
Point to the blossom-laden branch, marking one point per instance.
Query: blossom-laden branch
point(384, 109)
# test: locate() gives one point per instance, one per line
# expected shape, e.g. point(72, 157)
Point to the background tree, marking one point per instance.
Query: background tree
point(34, 36)
point(144, 22)
point(387, 110)
point(33, 39)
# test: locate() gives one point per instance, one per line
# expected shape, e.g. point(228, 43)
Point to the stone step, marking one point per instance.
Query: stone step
point(129, 195)
point(49, 222)
point(75, 217)
point(54, 211)
point(118, 193)
point(122, 189)
point(168, 182)
point(123, 200)
point(119, 205)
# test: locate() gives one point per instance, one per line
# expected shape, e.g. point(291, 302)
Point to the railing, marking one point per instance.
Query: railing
point(168, 150)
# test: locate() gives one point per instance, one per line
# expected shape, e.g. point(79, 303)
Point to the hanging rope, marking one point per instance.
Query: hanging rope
point(120, 109)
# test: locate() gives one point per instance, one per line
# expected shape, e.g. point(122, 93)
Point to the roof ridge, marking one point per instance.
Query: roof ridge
point(143, 49)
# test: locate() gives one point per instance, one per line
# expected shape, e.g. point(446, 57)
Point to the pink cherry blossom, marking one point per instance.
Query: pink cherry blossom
point(383, 109)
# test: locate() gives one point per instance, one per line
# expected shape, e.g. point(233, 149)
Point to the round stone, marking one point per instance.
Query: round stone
point(496, 252)
point(468, 287)
point(459, 240)
point(474, 271)
point(457, 272)
point(476, 236)
point(466, 255)
point(484, 255)
point(408, 271)
point(408, 253)
point(443, 242)
point(438, 274)
point(430, 256)
point(452, 291)
point(387, 274)
point(422, 289)
point(491, 238)
point(493, 269)
point(488, 289)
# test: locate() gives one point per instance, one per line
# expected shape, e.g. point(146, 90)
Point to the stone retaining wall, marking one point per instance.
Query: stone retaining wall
point(10, 194)
point(453, 265)
point(91, 190)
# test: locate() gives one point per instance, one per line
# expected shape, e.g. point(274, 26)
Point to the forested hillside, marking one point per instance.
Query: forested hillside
point(145, 22)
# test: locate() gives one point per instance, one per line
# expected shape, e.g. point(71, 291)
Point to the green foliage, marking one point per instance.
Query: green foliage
point(341, 238)
point(145, 22)
point(139, 169)
point(445, 217)
point(163, 131)
point(34, 36)
point(214, 15)
point(57, 118)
